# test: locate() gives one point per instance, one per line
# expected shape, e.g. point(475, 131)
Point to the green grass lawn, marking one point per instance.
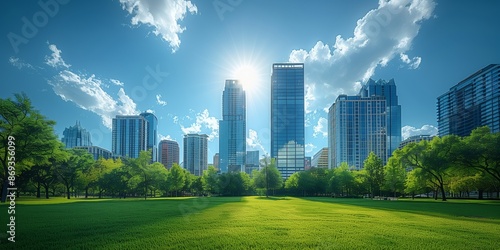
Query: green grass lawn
point(253, 223)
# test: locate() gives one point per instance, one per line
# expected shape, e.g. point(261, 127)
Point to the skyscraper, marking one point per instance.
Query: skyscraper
point(232, 128)
point(152, 135)
point(168, 153)
point(195, 153)
point(356, 127)
point(320, 159)
point(287, 117)
point(216, 161)
point(393, 109)
point(76, 136)
point(252, 161)
point(472, 103)
point(129, 135)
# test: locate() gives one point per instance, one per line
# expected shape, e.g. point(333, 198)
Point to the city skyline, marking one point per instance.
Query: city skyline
point(117, 63)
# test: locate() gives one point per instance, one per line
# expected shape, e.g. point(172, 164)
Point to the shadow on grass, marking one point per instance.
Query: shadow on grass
point(97, 224)
point(272, 198)
point(464, 210)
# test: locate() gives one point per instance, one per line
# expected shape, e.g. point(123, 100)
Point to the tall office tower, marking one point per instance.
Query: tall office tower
point(472, 103)
point(216, 161)
point(129, 135)
point(232, 128)
point(152, 136)
point(393, 123)
point(287, 117)
point(168, 153)
point(252, 161)
point(356, 127)
point(195, 153)
point(76, 136)
point(320, 159)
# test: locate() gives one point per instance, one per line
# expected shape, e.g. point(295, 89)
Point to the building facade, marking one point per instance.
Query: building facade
point(356, 127)
point(387, 89)
point(252, 161)
point(216, 161)
point(152, 134)
point(76, 136)
point(97, 152)
point(232, 128)
point(415, 139)
point(320, 159)
point(195, 153)
point(168, 153)
point(287, 117)
point(472, 103)
point(129, 135)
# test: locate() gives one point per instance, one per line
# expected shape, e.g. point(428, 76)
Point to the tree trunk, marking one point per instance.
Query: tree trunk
point(46, 192)
point(86, 192)
point(443, 194)
point(480, 194)
point(68, 192)
point(38, 190)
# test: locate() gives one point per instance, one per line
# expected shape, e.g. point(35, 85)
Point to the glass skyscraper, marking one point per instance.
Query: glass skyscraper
point(287, 117)
point(393, 109)
point(168, 153)
point(195, 153)
point(129, 135)
point(356, 127)
point(232, 128)
point(152, 135)
point(472, 103)
point(76, 136)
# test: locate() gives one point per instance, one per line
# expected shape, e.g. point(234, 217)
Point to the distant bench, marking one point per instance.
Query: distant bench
point(380, 198)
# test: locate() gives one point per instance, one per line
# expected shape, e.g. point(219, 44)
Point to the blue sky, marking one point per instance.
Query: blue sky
point(91, 60)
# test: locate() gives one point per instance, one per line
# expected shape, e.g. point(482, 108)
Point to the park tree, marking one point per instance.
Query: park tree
point(269, 177)
point(27, 132)
point(292, 183)
point(209, 180)
point(435, 158)
point(394, 174)
point(342, 180)
point(480, 150)
point(176, 178)
point(415, 183)
point(103, 169)
point(158, 176)
point(375, 173)
point(68, 169)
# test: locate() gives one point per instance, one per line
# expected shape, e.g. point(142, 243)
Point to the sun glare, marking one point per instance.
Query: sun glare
point(247, 75)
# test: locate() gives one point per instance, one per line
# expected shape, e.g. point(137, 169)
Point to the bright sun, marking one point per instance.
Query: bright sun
point(247, 76)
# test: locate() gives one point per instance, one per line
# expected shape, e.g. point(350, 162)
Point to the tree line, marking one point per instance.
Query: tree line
point(445, 166)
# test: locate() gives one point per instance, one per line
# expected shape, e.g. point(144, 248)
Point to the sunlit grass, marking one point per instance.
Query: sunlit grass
point(255, 222)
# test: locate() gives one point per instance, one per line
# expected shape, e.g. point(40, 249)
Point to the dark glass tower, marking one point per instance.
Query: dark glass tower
point(76, 136)
point(472, 103)
point(232, 128)
point(152, 134)
point(287, 117)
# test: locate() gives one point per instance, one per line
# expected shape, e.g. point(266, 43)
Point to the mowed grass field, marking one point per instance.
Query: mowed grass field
point(253, 223)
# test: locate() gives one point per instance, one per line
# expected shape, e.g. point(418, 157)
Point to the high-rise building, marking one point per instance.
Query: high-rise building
point(320, 159)
point(393, 109)
point(97, 152)
point(232, 128)
point(252, 161)
point(152, 135)
point(287, 117)
point(129, 135)
point(415, 139)
point(168, 153)
point(216, 161)
point(472, 103)
point(356, 127)
point(195, 153)
point(307, 162)
point(76, 136)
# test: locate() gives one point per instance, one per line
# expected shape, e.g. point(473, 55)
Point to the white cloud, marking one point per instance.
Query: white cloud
point(150, 111)
point(55, 60)
point(380, 36)
point(254, 143)
point(116, 82)
point(203, 121)
point(88, 94)
point(309, 97)
point(160, 101)
point(321, 128)
point(408, 131)
point(18, 63)
point(309, 148)
point(163, 16)
point(168, 137)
